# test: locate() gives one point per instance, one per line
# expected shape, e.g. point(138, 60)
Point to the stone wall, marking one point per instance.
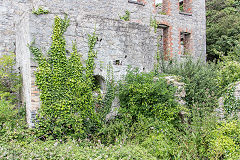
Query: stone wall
point(193, 23)
point(7, 26)
point(120, 43)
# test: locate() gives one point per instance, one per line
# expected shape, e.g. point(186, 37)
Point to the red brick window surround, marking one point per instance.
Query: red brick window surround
point(162, 7)
point(166, 38)
point(185, 6)
point(185, 43)
point(140, 2)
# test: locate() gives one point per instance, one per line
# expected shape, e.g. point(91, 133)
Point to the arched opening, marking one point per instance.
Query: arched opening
point(99, 83)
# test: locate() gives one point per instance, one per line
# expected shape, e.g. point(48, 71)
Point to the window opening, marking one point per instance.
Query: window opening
point(181, 6)
point(164, 40)
point(185, 39)
point(99, 83)
point(185, 6)
point(161, 6)
point(117, 62)
point(158, 3)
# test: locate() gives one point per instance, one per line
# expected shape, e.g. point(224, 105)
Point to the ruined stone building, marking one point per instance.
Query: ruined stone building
point(179, 30)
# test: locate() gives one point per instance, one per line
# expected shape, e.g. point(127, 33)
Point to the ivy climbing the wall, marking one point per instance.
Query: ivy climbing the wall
point(125, 17)
point(40, 11)
point(66, 87)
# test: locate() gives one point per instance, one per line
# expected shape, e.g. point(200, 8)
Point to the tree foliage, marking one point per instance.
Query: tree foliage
point(223, 27)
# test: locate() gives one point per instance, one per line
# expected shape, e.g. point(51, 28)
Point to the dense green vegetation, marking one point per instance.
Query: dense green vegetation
point(66, 88)
point(223, 28)
point(150, 124)
point(10, 81)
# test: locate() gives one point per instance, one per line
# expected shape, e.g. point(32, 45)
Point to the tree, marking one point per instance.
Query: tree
point(223, 27)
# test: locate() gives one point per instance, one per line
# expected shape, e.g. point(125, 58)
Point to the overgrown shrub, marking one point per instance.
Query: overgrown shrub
point(144, 94)
point(185, 141)
point(224, 141)
point(7, 114)
point(12, 114)
point(66, 87)
point(123, 130)
point(228, 73)
point(137, 123)
point(192, 138)
point(159, 144)
point(146, 100)
point(12, 122)
point(10, 80)
point(72, 150)
point(201, 87)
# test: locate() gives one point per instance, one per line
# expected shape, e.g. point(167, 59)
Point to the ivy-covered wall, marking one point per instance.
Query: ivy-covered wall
point(123, 39)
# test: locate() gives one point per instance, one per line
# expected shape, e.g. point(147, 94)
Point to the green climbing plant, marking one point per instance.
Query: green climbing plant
point(231, 103)
point(40, 11)
point(125, 17)
point(66, 87)
point(109, 96)
point(154, 24)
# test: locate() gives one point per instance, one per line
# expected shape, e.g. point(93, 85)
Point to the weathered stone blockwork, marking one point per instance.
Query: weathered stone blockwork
point(120, 43)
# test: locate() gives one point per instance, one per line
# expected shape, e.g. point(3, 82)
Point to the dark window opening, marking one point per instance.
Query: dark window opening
point(99, 39)
point(185, 6)
point(117, 62)
point(185, 43)
point(165, 40)
point(161, 6)
point(99, 83)
point(181, 6)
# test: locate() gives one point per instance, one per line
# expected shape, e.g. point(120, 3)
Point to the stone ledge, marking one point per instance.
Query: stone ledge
point(139, 3)
point(185, 13)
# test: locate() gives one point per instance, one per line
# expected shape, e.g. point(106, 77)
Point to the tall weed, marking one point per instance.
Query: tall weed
point(10, 80)
point(148, 95)
point(201, 87)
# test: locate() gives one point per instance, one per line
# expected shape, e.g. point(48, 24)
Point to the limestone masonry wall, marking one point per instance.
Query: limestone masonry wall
point(120, 43)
